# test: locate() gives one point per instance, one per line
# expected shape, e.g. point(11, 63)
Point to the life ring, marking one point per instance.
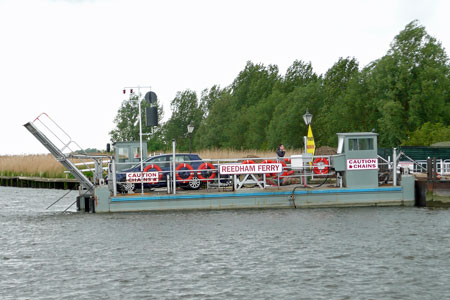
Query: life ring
point(248, 161)
point(191, 173)
point(157, 168)
point(268, 161)
point(206, 166)
point(286, 171)
point(320, 165)
point(284, 176)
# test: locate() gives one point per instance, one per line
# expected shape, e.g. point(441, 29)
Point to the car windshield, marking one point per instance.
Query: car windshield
point(164, 160)
point(150, 159)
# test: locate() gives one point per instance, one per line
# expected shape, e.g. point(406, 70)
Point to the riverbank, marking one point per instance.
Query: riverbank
point(33, 165)
point(39, 182)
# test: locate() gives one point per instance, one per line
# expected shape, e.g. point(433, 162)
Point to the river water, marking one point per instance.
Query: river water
point(348, 253)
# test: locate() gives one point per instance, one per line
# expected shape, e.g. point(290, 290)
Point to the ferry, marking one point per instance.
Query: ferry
point(129, 180)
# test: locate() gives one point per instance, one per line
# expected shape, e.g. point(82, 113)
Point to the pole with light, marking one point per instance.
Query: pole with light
point(140, 128)
point(190, 129)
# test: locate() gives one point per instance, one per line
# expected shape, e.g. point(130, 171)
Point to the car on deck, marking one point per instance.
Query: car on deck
point(191, 170)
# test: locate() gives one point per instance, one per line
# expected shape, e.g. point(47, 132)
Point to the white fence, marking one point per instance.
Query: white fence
point(442, 166)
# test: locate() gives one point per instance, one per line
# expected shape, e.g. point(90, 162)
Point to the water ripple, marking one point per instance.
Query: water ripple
point(352, 253)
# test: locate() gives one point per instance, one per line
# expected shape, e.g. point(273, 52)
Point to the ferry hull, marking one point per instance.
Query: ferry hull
point(271, 198)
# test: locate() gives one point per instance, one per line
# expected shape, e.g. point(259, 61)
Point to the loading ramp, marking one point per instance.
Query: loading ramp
point(58, 152)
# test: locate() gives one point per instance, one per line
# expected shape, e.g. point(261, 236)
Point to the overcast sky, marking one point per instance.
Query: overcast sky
point(71, 59)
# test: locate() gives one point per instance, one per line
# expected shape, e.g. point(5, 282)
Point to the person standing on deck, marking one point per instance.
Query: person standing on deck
point(280, 151)
point(280, 155)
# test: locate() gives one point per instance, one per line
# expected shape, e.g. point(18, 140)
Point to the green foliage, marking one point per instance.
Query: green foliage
point(415, 74)
point(429, 134)
point(333, 113)
point(126, 120)
point(404, 96)
point(392, 122)
point(298, 74)
point(186, 109)
point(211, 132)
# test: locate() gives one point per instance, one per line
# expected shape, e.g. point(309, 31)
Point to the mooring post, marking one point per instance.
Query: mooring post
point(429, 169)
point(174, 176)
point(434, 168)
point(394, 169)
point(168, 181)
point(114, 179)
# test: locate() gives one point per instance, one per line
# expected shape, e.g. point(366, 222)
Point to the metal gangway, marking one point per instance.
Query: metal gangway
point(49, 126)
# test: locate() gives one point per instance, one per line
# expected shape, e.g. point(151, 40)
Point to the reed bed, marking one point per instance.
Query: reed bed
point(230, 154)
point(38, 165)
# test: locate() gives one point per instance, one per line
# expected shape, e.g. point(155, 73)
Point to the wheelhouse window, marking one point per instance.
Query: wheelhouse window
point(123, 154)
point(136, 152)
point(365, 144)
point(360, 144)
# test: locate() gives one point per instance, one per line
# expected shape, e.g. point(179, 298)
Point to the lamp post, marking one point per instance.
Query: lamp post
point(190, 129)
point(307, 117)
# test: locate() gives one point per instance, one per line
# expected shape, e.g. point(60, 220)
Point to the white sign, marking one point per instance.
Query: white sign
point(149, 177)
point(362, 164)
point(231, 169)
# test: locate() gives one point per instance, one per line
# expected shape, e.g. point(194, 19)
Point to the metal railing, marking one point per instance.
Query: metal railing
point(205, 174)
point(442, 166)
point(64, 149)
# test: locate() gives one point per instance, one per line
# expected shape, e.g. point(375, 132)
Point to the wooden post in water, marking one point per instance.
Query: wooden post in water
point(434, 168)
point(429, 169)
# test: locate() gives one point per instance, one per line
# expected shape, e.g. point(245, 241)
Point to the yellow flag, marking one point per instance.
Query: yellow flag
point(310, 145)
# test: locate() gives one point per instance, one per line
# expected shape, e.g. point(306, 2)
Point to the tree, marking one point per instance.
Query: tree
point(253, 84)
point(209, 97)
point(415, 73)
point(391, 124)
point(126, 120)
point(298, 74)
point(185, 109)
point(429, 134)
point(333, 115)
point(229, 119)
point(287, 125)
point(212, 131)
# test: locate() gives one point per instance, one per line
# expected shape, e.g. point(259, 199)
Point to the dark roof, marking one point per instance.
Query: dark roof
point(418, 152)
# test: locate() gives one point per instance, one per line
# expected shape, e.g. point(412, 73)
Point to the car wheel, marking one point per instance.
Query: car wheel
point(195, 183)
point(126, 187)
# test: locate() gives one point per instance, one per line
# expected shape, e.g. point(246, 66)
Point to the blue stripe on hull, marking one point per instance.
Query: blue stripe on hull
point(254, 194)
